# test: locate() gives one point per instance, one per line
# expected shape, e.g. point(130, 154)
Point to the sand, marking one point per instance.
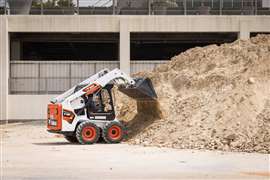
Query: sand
point(213, 97)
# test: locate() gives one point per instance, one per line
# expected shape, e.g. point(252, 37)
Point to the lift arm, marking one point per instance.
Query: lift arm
point(100, 80)
point(89, 80)
point(140, 89)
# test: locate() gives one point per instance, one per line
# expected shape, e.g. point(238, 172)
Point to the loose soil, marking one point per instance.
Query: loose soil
point(213, 97)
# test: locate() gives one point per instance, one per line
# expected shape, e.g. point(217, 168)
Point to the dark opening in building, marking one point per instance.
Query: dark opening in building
point(163, 46)
point(64, 46)
point(253, 34)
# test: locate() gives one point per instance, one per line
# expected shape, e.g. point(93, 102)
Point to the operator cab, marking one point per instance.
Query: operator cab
point(99, 106)
point(102, 105)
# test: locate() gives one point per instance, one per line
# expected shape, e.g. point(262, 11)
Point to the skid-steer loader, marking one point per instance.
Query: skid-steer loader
point(85, 113)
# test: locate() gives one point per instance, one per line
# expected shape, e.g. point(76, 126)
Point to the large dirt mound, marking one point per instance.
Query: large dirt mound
point(213, 97)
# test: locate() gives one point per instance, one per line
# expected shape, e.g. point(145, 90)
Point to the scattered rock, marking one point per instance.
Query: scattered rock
point(231, 137)
point(251, 80)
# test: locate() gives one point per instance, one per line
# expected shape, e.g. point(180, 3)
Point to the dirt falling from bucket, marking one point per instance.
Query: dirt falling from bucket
point(147, 113)
point(213, 97)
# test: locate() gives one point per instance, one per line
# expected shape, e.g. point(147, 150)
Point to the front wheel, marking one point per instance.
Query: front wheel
point(113, 132)
point(87, 133)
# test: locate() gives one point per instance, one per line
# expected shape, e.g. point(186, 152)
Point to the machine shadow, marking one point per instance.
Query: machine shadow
point(148, 112)
point(53, 143)
point(100, 141)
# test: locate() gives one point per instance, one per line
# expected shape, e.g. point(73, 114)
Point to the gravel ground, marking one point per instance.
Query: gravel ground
point(30, 153)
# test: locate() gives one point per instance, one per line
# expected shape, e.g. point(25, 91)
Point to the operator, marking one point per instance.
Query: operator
point(90, 104)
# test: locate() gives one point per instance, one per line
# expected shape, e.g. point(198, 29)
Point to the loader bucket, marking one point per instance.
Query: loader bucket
point(142, 90)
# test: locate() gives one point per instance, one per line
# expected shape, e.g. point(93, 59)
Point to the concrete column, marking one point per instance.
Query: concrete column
point(4, 67)
point(244, 30)
point(124, 46)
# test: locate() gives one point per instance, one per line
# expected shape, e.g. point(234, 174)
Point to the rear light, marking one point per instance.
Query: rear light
point(52, 122)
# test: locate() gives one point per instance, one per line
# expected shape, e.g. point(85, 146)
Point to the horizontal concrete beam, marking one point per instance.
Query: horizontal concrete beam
point(197, 23)
point(103, 23)
point(65, 23)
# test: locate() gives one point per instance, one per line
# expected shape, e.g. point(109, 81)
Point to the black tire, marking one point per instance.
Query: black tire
point(113, 132)
point(87, 133)
point(71, 139)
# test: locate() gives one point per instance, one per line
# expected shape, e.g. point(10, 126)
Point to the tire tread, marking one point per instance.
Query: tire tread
point(79, 132)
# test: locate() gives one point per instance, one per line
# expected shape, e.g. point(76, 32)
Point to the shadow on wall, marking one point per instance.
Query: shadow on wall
point(148, 112)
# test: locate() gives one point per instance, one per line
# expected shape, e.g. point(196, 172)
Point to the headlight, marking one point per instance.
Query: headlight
point(65, 113)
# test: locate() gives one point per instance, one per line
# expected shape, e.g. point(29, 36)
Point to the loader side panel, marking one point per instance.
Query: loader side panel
point(54, 117)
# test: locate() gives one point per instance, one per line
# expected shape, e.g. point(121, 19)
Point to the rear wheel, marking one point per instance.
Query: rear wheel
point(87, 133)
point(71, 139)
point(113, 132)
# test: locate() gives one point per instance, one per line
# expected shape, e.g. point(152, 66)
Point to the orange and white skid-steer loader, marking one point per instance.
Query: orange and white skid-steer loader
point(86, 112)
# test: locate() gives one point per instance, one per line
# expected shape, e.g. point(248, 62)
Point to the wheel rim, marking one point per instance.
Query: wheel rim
point(89, 133)
point(115, 132)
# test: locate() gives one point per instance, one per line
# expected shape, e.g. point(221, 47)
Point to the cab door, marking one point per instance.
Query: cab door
point(104, 107)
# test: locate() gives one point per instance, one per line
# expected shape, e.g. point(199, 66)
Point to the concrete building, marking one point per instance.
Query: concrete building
point(42, 55)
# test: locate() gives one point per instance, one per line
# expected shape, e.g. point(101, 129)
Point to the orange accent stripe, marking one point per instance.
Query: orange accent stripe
point(92, 89)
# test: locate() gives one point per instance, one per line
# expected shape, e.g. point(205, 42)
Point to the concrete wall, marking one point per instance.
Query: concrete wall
point(34, 107)
point(65, 23)
point(103, 23)
point(23, 107)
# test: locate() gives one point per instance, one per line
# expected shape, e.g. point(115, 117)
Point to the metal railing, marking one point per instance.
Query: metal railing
point(145, 65)
point(143, 7)
point(51, 77)
point(54, 77)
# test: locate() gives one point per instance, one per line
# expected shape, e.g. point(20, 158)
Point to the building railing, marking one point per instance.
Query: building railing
point(150, 7)
point(54, 77)
point(51, 77)
point(145, 65)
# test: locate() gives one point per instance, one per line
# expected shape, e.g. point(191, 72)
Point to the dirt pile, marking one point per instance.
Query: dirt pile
point(213, 97)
